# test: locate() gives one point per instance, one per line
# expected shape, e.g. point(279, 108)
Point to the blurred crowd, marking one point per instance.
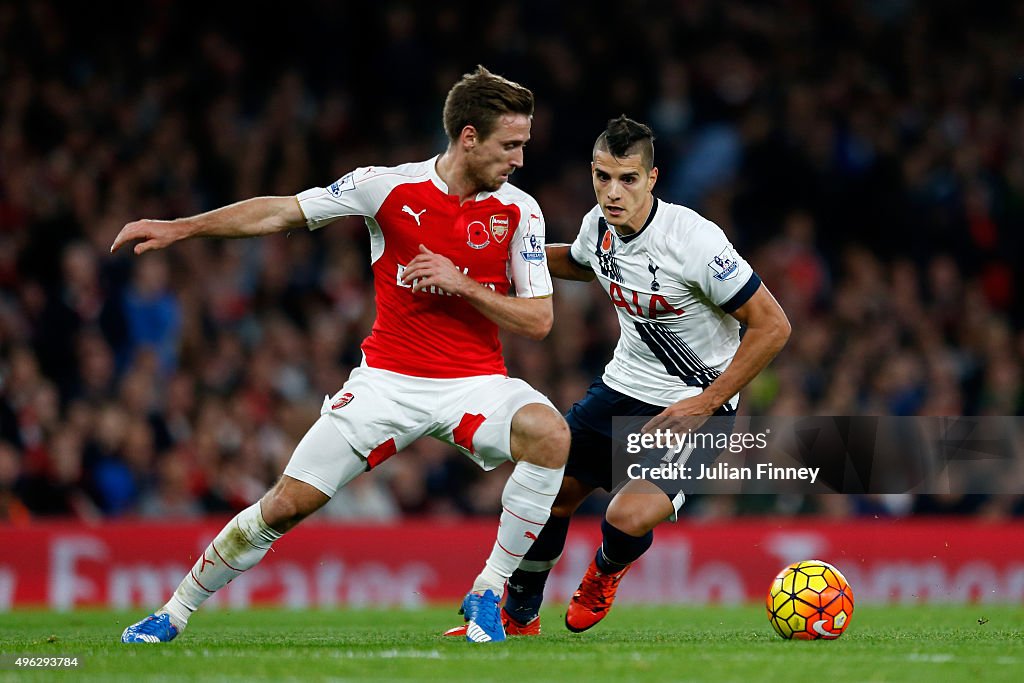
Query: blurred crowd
point(867, 156)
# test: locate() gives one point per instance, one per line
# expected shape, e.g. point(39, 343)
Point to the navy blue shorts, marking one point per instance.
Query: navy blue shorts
point(591, 455)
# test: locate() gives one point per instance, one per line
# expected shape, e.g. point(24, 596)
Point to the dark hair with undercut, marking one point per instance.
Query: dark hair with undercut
point(479, 99)
point(624, 137)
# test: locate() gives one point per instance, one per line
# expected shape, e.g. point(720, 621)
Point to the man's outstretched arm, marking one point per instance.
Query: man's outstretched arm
point(562, 265)
point(249, 218)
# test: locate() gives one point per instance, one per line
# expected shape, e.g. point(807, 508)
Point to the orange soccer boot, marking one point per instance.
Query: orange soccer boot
point(592, 600)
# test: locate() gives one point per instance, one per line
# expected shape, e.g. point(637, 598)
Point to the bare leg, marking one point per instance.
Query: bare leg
point(639, 507)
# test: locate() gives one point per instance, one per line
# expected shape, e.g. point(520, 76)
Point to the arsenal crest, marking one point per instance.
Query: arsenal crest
point(499, 227)
point(342, 401)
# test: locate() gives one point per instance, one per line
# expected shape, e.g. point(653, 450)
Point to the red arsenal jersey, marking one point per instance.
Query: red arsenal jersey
point(497, 239)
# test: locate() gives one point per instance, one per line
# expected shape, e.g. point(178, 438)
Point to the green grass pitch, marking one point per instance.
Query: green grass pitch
point(946, 643)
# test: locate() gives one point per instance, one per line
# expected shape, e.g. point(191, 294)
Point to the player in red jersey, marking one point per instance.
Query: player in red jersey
point(450, 241)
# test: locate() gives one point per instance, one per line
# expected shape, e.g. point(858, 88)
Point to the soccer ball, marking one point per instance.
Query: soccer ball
point(810, 600)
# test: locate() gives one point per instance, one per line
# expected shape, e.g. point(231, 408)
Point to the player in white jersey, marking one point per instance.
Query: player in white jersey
point(681, 293)
point(450, 240)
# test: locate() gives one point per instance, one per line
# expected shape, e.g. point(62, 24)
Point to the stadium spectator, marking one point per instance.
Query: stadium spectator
point(12, 509)
point(58, 489)
point(152, 314)
point(172, 497)
point(888, 127)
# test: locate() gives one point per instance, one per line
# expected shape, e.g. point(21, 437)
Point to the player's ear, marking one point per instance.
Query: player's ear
point(652, 178)
point(469, 137)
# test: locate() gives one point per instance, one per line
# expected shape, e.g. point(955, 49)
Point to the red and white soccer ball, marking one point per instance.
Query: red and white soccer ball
point(810, 600)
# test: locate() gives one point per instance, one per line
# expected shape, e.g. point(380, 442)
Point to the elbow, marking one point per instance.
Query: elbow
point(783, 330)
point(277, 223)
point(539, 332)
point(284, 213)
point(541, 327)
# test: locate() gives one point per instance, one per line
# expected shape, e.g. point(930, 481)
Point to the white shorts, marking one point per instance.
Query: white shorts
point(379, 412)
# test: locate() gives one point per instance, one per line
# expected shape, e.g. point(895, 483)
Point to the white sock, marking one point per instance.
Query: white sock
point(526, 505)
point(239, 546)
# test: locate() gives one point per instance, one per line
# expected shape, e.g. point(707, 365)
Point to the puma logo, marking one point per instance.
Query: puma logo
point(206, 561)
point(530, 535)
point(406, 209)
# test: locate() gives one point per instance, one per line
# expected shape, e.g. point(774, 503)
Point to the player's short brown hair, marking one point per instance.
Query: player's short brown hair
point(479, 99)
point(624, 137)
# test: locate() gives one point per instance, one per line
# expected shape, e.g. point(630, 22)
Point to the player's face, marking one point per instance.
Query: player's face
point(623, 187)
point(491, 161)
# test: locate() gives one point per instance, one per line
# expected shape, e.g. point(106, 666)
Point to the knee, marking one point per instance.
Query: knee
point(285, 505)
point(564, 506)
point(564, 509)
point(540, 436)
point(279, 511)
point(629, 518)
point(572, 493)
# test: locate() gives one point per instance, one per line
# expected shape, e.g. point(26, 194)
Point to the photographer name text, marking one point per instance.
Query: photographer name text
point(721, 471)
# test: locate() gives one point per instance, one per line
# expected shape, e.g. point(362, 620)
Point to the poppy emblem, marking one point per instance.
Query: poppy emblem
point(477, 235)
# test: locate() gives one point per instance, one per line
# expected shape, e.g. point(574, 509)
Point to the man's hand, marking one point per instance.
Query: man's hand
point(248, 218)
point(434, 270)
point(530, 317)
point(153, 235)
point(683, 416)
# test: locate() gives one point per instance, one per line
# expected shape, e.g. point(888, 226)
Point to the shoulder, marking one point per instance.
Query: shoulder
point(510, 194)
point(680, 219)
point(394, 175)
point(683, 223)
point(368, 187)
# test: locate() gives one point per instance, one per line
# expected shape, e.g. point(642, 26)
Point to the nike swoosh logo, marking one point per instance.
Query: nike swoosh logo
point(819, 628)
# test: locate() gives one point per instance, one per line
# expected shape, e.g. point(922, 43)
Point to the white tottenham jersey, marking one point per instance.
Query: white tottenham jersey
point(673, 284)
